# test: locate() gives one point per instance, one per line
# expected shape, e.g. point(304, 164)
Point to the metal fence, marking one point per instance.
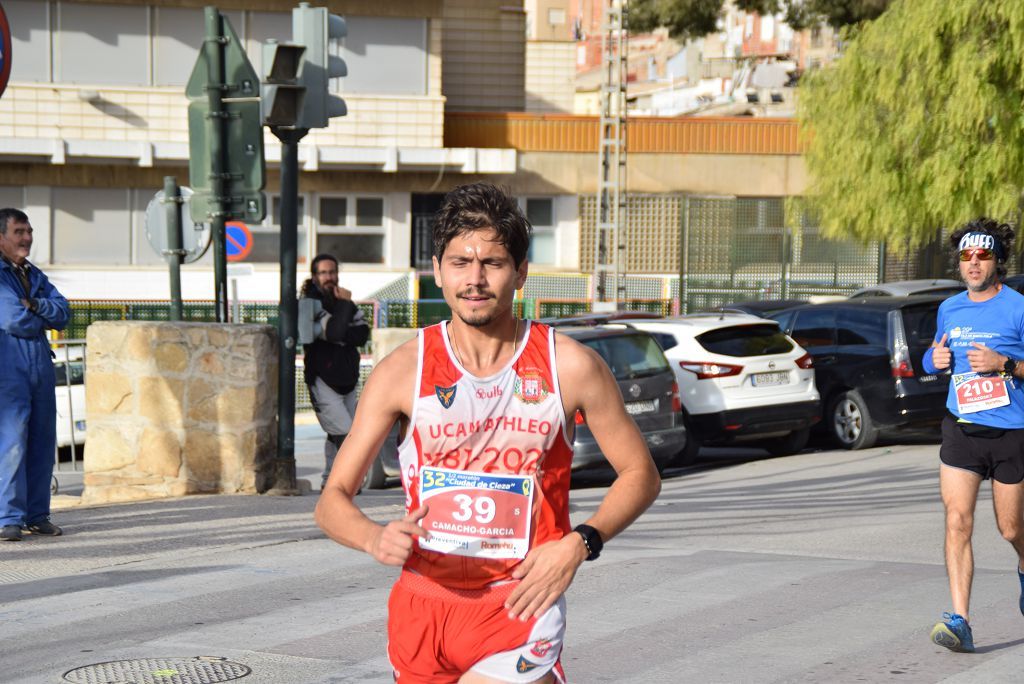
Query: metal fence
point(737, 248)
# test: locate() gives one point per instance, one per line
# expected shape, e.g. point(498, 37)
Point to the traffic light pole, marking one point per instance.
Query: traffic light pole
point(287, 326)
point(214, 46)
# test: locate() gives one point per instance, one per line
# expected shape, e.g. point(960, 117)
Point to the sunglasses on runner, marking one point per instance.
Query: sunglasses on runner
point(981, 253)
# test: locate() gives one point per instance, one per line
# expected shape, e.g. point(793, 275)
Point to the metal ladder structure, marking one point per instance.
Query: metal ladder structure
point(610, 234)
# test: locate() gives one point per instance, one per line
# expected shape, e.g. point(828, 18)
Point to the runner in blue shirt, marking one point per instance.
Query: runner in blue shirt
point(980, 340)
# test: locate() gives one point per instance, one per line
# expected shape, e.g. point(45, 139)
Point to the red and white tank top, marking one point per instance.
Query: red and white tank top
point(489, 456)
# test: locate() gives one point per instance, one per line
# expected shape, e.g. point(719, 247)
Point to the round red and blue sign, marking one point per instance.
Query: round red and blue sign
point(5, 51)
point(237, 240)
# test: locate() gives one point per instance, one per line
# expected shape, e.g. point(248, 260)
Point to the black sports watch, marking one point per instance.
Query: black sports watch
point(591, 539)
point(1010, 366)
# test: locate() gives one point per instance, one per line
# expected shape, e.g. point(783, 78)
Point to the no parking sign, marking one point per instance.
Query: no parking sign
point(5, 51)
point(237, 240)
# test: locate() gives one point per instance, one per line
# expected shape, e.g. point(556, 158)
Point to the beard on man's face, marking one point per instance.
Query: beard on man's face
point(326, 290)
point(477, 319)
point(984, 284)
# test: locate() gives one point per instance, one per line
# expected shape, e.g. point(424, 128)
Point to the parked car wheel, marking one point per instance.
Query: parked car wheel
point(689, 453)
point(690, 450)
point(790, 444)
point(375, 478)
point(850, 421)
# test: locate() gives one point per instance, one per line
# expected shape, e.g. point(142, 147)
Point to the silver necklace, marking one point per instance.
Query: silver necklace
point(455, 345)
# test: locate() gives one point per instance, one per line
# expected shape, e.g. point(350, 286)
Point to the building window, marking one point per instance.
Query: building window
point(556, 17)
point(30, 35)
point(177, 38)
point(817, 39)
point(11, 196)
point(102, 44)
point(352, 229)
point(261, 27)
point(91, 226)
point(266, 237)
point(385, 56)
point(540, 212)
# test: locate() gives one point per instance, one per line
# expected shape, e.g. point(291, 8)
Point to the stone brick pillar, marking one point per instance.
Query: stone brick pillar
point(179, 408)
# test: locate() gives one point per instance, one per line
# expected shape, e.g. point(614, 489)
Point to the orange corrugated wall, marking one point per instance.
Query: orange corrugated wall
point(569, 133)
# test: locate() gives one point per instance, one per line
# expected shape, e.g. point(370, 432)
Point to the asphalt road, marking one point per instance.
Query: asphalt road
point(825, 566)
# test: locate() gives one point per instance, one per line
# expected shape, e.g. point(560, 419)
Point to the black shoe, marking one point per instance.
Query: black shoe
point(11, 533)
point(45, 528)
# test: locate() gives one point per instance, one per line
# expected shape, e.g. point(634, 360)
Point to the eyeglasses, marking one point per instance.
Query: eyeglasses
point(981, 253)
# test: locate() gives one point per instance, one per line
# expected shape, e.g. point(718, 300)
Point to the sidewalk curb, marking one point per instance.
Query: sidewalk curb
point(63, 502)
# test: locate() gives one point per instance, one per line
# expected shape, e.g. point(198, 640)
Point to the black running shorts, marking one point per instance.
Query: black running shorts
point(1001, 457)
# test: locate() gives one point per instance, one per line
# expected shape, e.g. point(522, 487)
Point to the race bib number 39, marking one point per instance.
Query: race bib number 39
point(979, 392)
point(476, 514)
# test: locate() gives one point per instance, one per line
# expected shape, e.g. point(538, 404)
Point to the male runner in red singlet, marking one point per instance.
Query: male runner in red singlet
point(487, 403)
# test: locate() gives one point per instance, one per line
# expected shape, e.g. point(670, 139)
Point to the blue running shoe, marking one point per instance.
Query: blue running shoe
point(1020, 576)
point(953, 633)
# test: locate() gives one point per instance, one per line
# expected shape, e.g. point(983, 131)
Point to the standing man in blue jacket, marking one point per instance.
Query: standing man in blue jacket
point(29, 306)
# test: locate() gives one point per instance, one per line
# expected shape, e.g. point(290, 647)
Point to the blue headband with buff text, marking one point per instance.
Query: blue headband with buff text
point(977, 240)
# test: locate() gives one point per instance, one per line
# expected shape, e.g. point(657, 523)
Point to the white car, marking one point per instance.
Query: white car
point(740, 380)
point(70, 396)
point(908, 288)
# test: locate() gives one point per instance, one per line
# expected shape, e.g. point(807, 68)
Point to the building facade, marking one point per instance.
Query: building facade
point(95, 117)
point(439, 92)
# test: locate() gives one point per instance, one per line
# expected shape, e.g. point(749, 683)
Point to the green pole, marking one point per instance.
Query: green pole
point(288, 309)
point(214, 46)
point(175, 252)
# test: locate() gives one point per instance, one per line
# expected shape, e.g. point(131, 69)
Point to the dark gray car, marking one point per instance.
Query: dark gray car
point(648, 388)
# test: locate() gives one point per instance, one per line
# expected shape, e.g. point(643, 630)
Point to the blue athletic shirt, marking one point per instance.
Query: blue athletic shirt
point(998, 323)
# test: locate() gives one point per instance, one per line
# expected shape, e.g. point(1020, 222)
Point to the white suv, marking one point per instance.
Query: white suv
point(740, 380)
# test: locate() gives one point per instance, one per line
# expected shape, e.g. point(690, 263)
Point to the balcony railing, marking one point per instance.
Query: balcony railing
point(569, 133)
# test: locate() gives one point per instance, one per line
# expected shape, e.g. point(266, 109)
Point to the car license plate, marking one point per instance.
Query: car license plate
point(634, 408)
point(769, 379)
point(79, 424)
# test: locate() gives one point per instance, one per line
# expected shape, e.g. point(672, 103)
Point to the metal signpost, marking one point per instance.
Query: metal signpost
point(174, 236)
point(226, 162)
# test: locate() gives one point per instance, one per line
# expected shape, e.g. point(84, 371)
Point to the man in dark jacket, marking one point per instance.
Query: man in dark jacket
point(332, 360)
point(29, 306)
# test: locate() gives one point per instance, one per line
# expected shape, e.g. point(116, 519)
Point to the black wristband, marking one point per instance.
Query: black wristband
point(1010, 366)
point(591, 539)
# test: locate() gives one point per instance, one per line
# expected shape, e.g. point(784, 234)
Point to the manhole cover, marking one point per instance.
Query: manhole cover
point(199, 670)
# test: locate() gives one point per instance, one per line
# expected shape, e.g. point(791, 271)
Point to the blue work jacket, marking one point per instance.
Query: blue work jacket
point(24, 346)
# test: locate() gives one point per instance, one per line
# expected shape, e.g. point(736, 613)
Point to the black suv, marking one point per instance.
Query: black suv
point(867, 364)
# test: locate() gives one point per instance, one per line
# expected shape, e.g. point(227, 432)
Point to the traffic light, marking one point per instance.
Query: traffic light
point(282, 94)
point(314, 27)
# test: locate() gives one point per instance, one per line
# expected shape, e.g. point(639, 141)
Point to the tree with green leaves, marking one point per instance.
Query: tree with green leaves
point(920, 124)
point(687, 19)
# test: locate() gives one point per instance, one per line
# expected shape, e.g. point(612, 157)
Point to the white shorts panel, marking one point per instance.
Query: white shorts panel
point(535, 658)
